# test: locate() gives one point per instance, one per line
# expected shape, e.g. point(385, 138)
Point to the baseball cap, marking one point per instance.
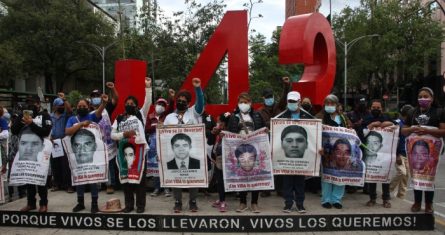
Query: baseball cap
point(58, 102)
point(293, 95)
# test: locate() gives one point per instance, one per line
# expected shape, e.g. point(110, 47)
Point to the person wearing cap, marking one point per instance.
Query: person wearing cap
point(105, 127)
point(185, 115)
point(425, 114)
point(332, 194)
point(74, 124)
point(243, 121)
point(162, 109)
point(39, 122)
point(400, 180)
point(60, 167)
point(131, 124)
point(293, 185)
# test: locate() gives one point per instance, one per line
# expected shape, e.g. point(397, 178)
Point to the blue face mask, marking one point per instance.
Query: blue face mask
point(95, 101)
point(292, 106)
point(269, 101)
point(329, 109)
point(338, 119)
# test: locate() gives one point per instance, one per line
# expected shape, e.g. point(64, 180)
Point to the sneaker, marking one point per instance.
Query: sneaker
point(178, 207)
point(78, 207)
point(326, 205)
point(242, 207)
point(301, 209)
point(255, 208)
point(337, 205)
point(222, 207)
point(167, 192)
point(216, 204)
point(110, 189)
point(155, 193)
point(193, 206)
point(371, 203)
point(287, 209)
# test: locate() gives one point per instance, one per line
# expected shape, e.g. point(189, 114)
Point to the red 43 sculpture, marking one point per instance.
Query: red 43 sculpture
point(305, 39)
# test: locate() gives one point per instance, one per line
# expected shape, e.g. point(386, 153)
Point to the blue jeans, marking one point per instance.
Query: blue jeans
point(293, 190)
point(111, 172)
point(80, 189)
point(331, 193)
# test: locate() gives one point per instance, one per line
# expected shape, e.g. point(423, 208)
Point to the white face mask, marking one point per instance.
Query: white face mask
point(159, 109)
point(244, 108)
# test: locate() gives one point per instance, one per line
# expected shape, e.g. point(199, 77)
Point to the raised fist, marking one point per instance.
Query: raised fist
point(61, 95)
point(196, 82)
point(147, 82)
point(286, 79)
point(104, 98)
point(110, 85)
point(171, 93)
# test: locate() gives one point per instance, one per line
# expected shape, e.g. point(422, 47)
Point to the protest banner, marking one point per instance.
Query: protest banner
point(105, 127)
point(380, 152)
point(131, 161)
point(57, 148)
point(423, 153)
point(31, 163)
point(182, 156)
point(247, 163)
point(295, 146)
point(152, 168)
point(87, 155)
point(342, 163)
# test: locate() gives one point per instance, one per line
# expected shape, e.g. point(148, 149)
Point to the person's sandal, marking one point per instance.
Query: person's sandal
point(386, 204)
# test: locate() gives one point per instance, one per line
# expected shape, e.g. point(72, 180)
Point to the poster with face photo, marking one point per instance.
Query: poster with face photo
point(246, 161)
point(295, 145)
point(182, 156)
point(31, 163)
point(423, 154)
point(130, 161)
point(87, 155)
point(380, 152)
point(342, 161)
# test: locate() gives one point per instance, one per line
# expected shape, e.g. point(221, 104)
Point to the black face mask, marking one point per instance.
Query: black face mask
point(306, 107)
point(60, 110)
point(82, 112)
point(181, 105)
point(130, 109)
point(376, 113)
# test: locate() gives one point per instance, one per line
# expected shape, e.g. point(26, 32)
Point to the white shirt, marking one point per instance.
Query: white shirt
point(190, 117)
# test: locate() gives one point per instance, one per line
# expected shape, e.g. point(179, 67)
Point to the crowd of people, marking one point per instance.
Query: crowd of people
point(177, 109)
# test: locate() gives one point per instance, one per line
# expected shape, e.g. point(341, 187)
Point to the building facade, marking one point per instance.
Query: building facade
point(299, 7)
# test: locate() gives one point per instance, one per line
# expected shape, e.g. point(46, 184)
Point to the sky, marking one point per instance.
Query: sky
point(272, 11)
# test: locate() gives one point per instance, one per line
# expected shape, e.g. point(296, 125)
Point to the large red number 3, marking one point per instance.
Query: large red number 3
point(306, 39)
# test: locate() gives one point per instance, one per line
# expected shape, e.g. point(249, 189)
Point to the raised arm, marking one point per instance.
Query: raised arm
point(148, 97)
point(287, 87)
point(199, 103)
point(102, 105)
point(114, 93)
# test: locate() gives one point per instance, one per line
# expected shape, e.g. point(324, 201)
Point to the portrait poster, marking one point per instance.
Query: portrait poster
point(31, 163)
point(152, 168)
point(87, 155)
point(423, 154)
point(131, 160)
point(342, 161)
point(105, 127)
point(379, 154)
point(57, 148)
point(295, 145)
point(182, 156)
point(247, 164)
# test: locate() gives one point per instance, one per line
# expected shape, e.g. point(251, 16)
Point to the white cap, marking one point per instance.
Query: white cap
point(294, 95)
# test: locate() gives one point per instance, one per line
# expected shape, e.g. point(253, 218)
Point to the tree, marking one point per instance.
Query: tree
point(43, 37)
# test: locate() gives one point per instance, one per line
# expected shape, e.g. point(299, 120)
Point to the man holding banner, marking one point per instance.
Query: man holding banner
point(425, 123)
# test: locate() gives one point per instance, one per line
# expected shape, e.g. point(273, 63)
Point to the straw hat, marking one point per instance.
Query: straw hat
point(112, 205)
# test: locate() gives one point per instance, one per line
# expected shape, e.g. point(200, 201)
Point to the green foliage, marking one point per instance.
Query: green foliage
point(74, 96)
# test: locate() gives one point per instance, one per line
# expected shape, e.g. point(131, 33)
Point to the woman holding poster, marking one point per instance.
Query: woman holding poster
point(337, 157)
point(129, 130)
point(82, 145)
point(418, 125)
point(245, 121)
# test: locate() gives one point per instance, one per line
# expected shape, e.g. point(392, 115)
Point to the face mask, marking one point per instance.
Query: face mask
point(292, 106)
point(130, 109)
point(376, 112)
point(269, 101)
point(306, 107)
point(329, 109)
point(181, 105)
point(82, 112)
point(244, 108)
point(95, 101)
point(159, 109)
point(60, 110)
point(424, 103)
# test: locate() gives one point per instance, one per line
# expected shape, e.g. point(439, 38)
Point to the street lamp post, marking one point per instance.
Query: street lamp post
point(346, 47)
point(102, 50)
